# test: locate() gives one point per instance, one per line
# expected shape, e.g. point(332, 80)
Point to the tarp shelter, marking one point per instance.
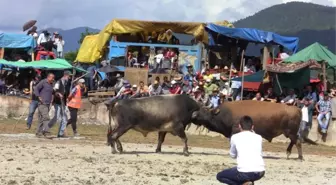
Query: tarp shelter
point(315, 52)
point(56, 64)
point(253, 35)
point(120, 26)
point(86, 49)
point(252, 82)
point(14, 40)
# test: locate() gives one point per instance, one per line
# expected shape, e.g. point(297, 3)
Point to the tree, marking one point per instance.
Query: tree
point(70, 56)
point(84, 34)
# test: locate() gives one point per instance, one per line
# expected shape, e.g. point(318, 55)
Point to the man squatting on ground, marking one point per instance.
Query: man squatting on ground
point(246, 147)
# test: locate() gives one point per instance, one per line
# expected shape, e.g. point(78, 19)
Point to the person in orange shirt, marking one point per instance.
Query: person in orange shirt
point(74, 103)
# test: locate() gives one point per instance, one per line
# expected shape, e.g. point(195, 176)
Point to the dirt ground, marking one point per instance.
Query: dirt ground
point(25, 159)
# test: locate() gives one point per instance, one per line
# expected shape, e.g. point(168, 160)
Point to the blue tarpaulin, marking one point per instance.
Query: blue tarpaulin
point(14, 40)
point(254, 35)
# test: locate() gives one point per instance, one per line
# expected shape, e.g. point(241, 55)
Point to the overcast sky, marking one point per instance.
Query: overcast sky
point(67, 14)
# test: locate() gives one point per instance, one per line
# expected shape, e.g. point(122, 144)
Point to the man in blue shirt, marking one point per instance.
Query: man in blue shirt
point(44, 92)
point(323, 107)
point(214, 99)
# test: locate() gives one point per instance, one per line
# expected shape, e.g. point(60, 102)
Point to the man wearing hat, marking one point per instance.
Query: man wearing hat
point(61, 91)
point(214, 99)
point(323, 107)
point(209, 86)
point(74, 104)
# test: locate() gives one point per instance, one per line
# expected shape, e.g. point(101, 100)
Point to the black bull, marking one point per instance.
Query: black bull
point(165, 114)
point(270, 120)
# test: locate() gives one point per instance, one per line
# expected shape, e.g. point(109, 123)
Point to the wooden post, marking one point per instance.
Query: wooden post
point(229, 88)
point(33, 56)
point(242, 83)
point(324, 75)
point(241, 61)
point(265, 57)
point(2, 53)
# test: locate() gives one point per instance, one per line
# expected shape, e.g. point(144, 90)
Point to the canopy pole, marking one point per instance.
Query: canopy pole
point(2, 53)
point(33, 56)
point(241, 61)
point(229, 88)
point(324, 75)
point(72, 78)
point(242, 83)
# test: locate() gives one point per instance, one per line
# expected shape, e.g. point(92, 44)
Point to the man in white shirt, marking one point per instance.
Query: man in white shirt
point(246, 147)
point(290, 99)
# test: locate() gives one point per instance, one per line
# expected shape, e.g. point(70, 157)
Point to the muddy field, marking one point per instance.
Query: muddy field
point(27, 160)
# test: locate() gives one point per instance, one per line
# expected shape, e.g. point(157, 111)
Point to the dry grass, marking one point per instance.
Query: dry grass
point(98, 133)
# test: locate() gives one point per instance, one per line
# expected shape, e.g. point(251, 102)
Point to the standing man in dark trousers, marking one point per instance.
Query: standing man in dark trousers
point(75, 103)
point(246, 147)
point(44, 92)
point(61, 89)
point(34, 100)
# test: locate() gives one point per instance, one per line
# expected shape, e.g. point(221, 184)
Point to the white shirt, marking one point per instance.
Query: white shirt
point(246, 146)
point(59, 44)
point(158, 58)
point(236, 84)
point(284, 55)
point(305, 116)
point(42, 39)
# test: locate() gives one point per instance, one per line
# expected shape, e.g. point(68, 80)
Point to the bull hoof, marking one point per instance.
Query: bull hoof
point(301, 158)
point(157, 151)
point(186, 153)
point(288, 154)
point(114, 151)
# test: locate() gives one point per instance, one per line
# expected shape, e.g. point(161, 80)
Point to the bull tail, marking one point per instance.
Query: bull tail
point(307, 140)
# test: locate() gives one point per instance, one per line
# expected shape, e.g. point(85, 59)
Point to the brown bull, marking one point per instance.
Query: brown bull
point(270, 120)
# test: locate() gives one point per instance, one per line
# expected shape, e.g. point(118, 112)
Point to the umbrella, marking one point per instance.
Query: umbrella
point(108, 69)
point(29, 24)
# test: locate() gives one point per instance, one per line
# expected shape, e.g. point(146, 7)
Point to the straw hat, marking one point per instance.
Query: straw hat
point(226, 68)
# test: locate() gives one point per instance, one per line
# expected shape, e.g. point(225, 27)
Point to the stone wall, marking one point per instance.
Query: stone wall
point(97, 114)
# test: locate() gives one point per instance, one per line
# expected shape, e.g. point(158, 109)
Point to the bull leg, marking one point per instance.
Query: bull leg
point(299, 148)
point(115, 138)
point(119, 146)
point(289, 148)
point(161, 139)
point(184, 138)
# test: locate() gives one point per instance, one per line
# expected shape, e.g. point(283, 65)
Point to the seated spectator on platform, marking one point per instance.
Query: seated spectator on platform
point(124, 93)
point(249, 68)
point(207, 75)
point(155, 89)
point(258, 97)
point(198, 91)
point(122, 89)
point(142, 90)
point(290, 99)
point(209, 86)
point(165, 85)
point(310, 94)
point(186, 87)
point(214, 99)
point(153, 38)
point(270, 96)
point(323, 107)
point(282, 54)
point(175, 88)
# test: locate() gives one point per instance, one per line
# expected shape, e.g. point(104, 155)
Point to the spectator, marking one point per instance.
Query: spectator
point(186, 87)
point(282, 54)
point(207, 75)
point(290, 99)
point(44, 92)
point(92, 72)
point(165, 85)
point(158, 58)
point(323, 107)
point(170, 55)
point(209, 87)
point(75, 103)
point(310, 94)
point(249, 67)
point(122, 89)
point(258, 97)
point(43, 39)
point(142, 89)
point(61, 89)
point(34, 100)
point(190, 75)
point(59, 45)
point(270, 96)
point(307, 109)
point(214, 99)
point(246, 147)
point(235, 86)
point(155, 89)
point(176, 88)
